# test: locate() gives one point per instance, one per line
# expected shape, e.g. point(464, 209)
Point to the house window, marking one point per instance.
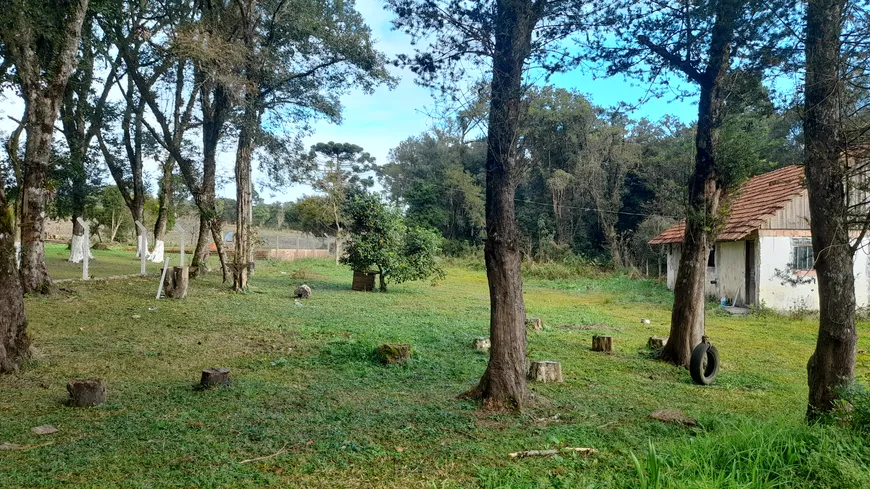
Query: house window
point(802, 254)
point(711, 260)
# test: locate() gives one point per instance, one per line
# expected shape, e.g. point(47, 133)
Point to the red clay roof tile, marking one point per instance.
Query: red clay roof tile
point(756, 201)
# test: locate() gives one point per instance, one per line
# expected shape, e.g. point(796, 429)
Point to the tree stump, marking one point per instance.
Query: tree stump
point(602, 343)
point(215, 377)
point(363, 281)
point(535, 324)
point(176, 282)
point(86, 392)
point(393, 353)
point(303, 291)
point(656, 342)
point(481, 343)
point(545, 371)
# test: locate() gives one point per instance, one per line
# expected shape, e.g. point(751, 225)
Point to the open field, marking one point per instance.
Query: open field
point(307, 391)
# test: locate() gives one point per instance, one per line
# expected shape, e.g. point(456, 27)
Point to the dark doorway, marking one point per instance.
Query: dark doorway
point(750, 274)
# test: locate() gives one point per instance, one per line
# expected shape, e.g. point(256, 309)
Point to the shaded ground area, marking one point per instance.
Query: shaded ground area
point(306, 390)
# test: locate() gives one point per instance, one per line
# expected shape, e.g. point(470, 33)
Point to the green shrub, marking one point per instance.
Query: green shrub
point(380, 242)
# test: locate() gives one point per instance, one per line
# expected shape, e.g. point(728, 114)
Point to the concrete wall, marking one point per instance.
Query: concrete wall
point(731, 261)
point(779, 287)
point(783, 289)
point(710, 289)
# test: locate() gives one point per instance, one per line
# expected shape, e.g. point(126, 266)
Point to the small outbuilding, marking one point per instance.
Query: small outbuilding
point(764, 254)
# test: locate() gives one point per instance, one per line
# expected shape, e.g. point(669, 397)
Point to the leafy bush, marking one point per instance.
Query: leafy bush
point(381, 242)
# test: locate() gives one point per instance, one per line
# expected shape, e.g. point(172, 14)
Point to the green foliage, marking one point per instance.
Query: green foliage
point(381, 241)
point(853, 408)
point(111, 214)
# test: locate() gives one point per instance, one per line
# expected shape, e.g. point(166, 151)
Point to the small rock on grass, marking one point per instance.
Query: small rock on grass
point(673, 416)
point(303, 291)
point(45, 429)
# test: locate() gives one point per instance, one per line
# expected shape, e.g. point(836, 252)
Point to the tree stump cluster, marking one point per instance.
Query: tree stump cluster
point(393, 353)
point(215, 377)
point(656, 342)
point(303, 291)
point(534, 324)
point(86, 392)
point(481, 343)
point(176, 282)
point(545, 371)
point(602, 343)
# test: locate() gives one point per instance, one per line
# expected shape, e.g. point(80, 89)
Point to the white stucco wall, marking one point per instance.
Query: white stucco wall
point(731, 256)
point(711, 287)
point(783, 289)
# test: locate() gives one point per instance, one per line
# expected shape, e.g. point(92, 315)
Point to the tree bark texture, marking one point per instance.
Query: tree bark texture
point(833, 362)
point(13, 320)
point(243, 238)
point(164, 200)
point(702, 219)
point(504, 382)
point(42, 88)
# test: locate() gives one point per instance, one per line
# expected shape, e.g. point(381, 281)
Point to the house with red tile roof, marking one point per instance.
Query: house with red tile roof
point(763, 254)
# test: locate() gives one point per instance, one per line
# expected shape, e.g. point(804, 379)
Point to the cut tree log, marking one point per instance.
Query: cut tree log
point(534, 324)
point(602, 343)
point(393, 353)
point(303, 291)
point(363, 281)
point(481, 343)
point(215, 377)
point(86, 392)
point(545, 371)
point(656, 342)
point(176, 282)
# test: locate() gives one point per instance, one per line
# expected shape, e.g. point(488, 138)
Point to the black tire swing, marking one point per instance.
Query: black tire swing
point(704, 364)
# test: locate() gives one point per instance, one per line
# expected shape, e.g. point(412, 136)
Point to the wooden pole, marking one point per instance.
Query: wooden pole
point(296, 257)
point(86, 248)
point(143, 247)
point(277, 243)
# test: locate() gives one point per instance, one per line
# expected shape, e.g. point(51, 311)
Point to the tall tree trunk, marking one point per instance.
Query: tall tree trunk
point(201, 251)
point(42, 88)
point(833, 362)
point(244, 155)
point(687, 316)
point(42, 113)
point(13, 320)
point(504, 382)
point(165, 200)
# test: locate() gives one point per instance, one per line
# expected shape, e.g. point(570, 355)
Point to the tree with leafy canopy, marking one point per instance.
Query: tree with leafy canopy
point(81, 114)
point(38, 42)
point(336, 169)
point(379, 240)
point(513, 37)
point(835, 127)
point(295, 59)
point(707, 43)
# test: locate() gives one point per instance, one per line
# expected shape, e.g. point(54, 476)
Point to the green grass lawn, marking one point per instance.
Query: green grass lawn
point(105, 263)
point(307, 393)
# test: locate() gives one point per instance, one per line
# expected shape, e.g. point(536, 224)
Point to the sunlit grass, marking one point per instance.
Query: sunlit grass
point(305, 386)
